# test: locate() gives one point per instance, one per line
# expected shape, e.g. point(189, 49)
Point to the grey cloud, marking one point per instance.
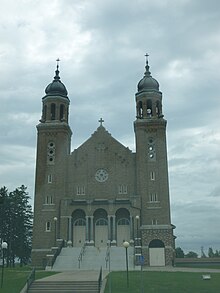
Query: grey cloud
point(102, 59)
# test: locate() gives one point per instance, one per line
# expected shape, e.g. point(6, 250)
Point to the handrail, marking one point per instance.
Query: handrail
point(107, 256)
point(82, 252)
point(100, 280)
point(30, 279)
point(57, 253)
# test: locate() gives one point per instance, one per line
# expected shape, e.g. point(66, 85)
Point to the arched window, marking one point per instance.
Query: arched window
point(140, 110)
point(123, 222)
point(80, 222)
point(48, 226)
point(156, 243)
point(53, 111)
point(149, 108)
point(44, 112)
point(101, 222)
point(62, 116)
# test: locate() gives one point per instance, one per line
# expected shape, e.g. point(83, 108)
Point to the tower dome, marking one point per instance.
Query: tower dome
point(56, 87)
point(148, 83)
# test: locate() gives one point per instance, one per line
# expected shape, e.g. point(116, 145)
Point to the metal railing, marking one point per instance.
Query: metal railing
point(107, 257)
point(82, 252)
point(57, 253)
point(30, 279)
point(100, 280)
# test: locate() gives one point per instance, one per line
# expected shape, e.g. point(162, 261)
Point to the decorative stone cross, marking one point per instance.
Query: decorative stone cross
point(101, 121)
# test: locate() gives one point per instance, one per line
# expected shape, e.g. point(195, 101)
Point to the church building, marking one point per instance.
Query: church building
point(103, 193)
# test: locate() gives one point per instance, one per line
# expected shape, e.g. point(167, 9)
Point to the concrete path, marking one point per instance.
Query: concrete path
point(74, 276)
point(180, 269)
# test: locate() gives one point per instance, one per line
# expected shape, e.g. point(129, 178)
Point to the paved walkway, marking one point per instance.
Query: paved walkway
point(93, 275)
point(181, 269)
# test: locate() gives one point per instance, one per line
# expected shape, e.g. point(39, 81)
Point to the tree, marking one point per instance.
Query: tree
point(191, 254)
point(203, 255)
point(217, 253)
point(16, 229)
point(210, 252)
point(179, 252)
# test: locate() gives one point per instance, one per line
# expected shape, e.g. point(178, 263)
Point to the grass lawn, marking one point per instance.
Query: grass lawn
point(15, 278)
point(163, 282)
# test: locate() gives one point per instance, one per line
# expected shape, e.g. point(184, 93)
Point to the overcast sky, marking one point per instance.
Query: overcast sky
point(101, 45)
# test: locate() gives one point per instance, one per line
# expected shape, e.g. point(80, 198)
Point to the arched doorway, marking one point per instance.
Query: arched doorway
point(101, 228)
point(123, 226)
point(79, 228)
point(157, 253)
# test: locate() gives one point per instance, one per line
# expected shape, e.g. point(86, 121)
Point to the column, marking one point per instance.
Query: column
point(87, 229)
point(69, 242)
point(109, 227)
point(131, 228)
point(92, 230)
point(113, 230)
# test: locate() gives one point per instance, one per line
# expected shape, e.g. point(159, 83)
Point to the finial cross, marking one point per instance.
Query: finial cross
point(58, 60)
point(101, 121)
point(146, 55)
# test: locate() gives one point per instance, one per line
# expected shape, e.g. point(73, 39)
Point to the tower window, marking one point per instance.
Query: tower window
point(53, 111)
point(49, 178)
point(140, 110)
point(44, 116)
point(50, 152)
point(62, 112)
point(122, 189)
point(149, 108)
point(153, 197)
point(154, 222)
point(152, 175)
point(80, 190)
point(49, 199)
point(48, 226)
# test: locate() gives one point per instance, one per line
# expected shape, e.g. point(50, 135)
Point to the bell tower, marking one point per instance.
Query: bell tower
point(53, 147)
point(152, 172)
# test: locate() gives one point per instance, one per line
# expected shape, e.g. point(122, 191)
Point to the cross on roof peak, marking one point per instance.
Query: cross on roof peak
point(101, 121)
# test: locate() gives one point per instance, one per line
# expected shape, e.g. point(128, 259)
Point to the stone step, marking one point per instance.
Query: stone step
point(93, 259)
point(64, 287)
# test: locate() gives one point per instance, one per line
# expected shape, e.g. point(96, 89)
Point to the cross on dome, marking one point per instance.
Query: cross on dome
point(58, 60)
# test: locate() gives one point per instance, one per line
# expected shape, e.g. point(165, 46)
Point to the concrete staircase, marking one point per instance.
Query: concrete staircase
point(64, 287)
point(84, 279)
point(93, 259)
point(67, 260)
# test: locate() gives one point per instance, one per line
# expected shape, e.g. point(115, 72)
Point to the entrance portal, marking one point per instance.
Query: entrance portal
point(79, 232)
point(101, 233)
point(157, 253)
point(123, 231)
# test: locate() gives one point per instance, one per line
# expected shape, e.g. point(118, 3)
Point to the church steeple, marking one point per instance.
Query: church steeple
point(148, 96)
point(56, 101)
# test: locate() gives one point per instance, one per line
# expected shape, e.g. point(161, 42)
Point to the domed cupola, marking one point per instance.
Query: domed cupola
point(148, 97)
point(148, 83)
point(56, 87)
point(55, 102)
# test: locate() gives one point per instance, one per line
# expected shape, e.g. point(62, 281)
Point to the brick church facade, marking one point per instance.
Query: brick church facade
point(102, 192)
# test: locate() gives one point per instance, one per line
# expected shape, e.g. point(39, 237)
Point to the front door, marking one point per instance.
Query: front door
point(157, 257)
point(79, 232)
point(123, 231)
point(101, 233)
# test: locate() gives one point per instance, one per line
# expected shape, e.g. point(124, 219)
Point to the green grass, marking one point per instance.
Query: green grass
point(15, 278)
point(163, 282)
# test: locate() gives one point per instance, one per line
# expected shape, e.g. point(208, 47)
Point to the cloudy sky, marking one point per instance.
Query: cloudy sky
point(101, 45)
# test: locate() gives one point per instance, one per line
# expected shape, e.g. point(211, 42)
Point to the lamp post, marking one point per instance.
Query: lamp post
point(4, 247)
point(126, 245)
point(55, 230)
point(137, 219)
